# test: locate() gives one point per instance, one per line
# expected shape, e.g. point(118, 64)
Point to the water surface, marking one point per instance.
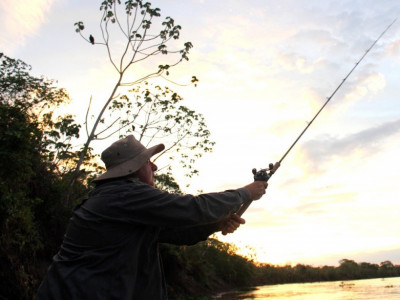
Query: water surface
point(366, 289)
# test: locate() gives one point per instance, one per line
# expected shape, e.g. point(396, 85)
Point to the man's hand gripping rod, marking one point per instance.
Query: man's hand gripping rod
point(260, 175)
point(265, 174)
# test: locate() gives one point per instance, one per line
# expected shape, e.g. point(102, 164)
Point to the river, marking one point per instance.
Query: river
point(366, 289)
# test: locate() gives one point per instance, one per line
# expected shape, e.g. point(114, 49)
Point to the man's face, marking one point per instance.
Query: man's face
point(146, 172)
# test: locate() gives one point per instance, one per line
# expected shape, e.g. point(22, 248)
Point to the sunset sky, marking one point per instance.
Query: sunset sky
point(265, 68)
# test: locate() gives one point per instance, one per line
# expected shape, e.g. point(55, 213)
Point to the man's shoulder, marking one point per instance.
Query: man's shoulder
point(120, 185)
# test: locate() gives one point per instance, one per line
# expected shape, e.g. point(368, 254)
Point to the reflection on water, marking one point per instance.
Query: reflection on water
point(367, 289)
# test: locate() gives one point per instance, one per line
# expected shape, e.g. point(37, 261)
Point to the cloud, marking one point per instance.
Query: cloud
point(364, 143)
point(366, 80)
point(292, 61)
point(377, 257)
point(323, 202)
point(393, 49)
point(21, 19)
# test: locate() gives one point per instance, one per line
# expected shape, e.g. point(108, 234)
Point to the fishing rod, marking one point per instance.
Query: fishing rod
point(265, 174)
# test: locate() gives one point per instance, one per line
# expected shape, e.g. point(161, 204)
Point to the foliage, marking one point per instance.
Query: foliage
point(347, 270)
point(35, 154)
point(38, 98)
point(19, 238)
point(167, 183)
point(142, 37)
point(156, 113)
point(205, 268)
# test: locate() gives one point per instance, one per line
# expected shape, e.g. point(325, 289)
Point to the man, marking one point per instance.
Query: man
point(110, 249)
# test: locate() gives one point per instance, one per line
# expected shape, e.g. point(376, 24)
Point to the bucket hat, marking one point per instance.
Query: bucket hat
point(125, 157)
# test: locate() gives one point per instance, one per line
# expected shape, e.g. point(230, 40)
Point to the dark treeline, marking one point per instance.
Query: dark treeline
point(347, 270)
point(213, 266)
point(36, 165)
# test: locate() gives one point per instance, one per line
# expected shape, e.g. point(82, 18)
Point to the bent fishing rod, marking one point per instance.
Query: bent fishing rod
point(265, 174)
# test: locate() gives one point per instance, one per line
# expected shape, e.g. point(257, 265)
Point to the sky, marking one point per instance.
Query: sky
point(265, 69)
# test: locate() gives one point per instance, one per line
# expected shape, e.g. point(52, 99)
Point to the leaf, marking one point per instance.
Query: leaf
point(79, 26)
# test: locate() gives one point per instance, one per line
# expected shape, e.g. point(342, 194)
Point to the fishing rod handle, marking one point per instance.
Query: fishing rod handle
point(261, 175)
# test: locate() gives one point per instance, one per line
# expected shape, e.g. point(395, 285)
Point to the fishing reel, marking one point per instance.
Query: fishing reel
point(265, 174)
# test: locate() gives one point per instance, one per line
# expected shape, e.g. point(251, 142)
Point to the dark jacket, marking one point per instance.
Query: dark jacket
point(110, 249)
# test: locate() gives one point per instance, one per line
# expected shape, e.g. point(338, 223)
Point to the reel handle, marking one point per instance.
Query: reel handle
point(265, 174)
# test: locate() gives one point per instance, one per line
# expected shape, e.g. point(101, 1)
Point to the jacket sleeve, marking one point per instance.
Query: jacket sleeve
point(187, 235)
point(142, 204)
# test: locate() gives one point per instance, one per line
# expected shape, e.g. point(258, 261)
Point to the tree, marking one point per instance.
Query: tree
point(35, 157)
point(369, 270)
point(167, 183)
point(142, 42)
point(38, 99)
point(348, 269)
point(387, 269)
point(156, 113)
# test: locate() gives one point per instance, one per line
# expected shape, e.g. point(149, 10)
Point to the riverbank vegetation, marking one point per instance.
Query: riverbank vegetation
point(211, 267)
